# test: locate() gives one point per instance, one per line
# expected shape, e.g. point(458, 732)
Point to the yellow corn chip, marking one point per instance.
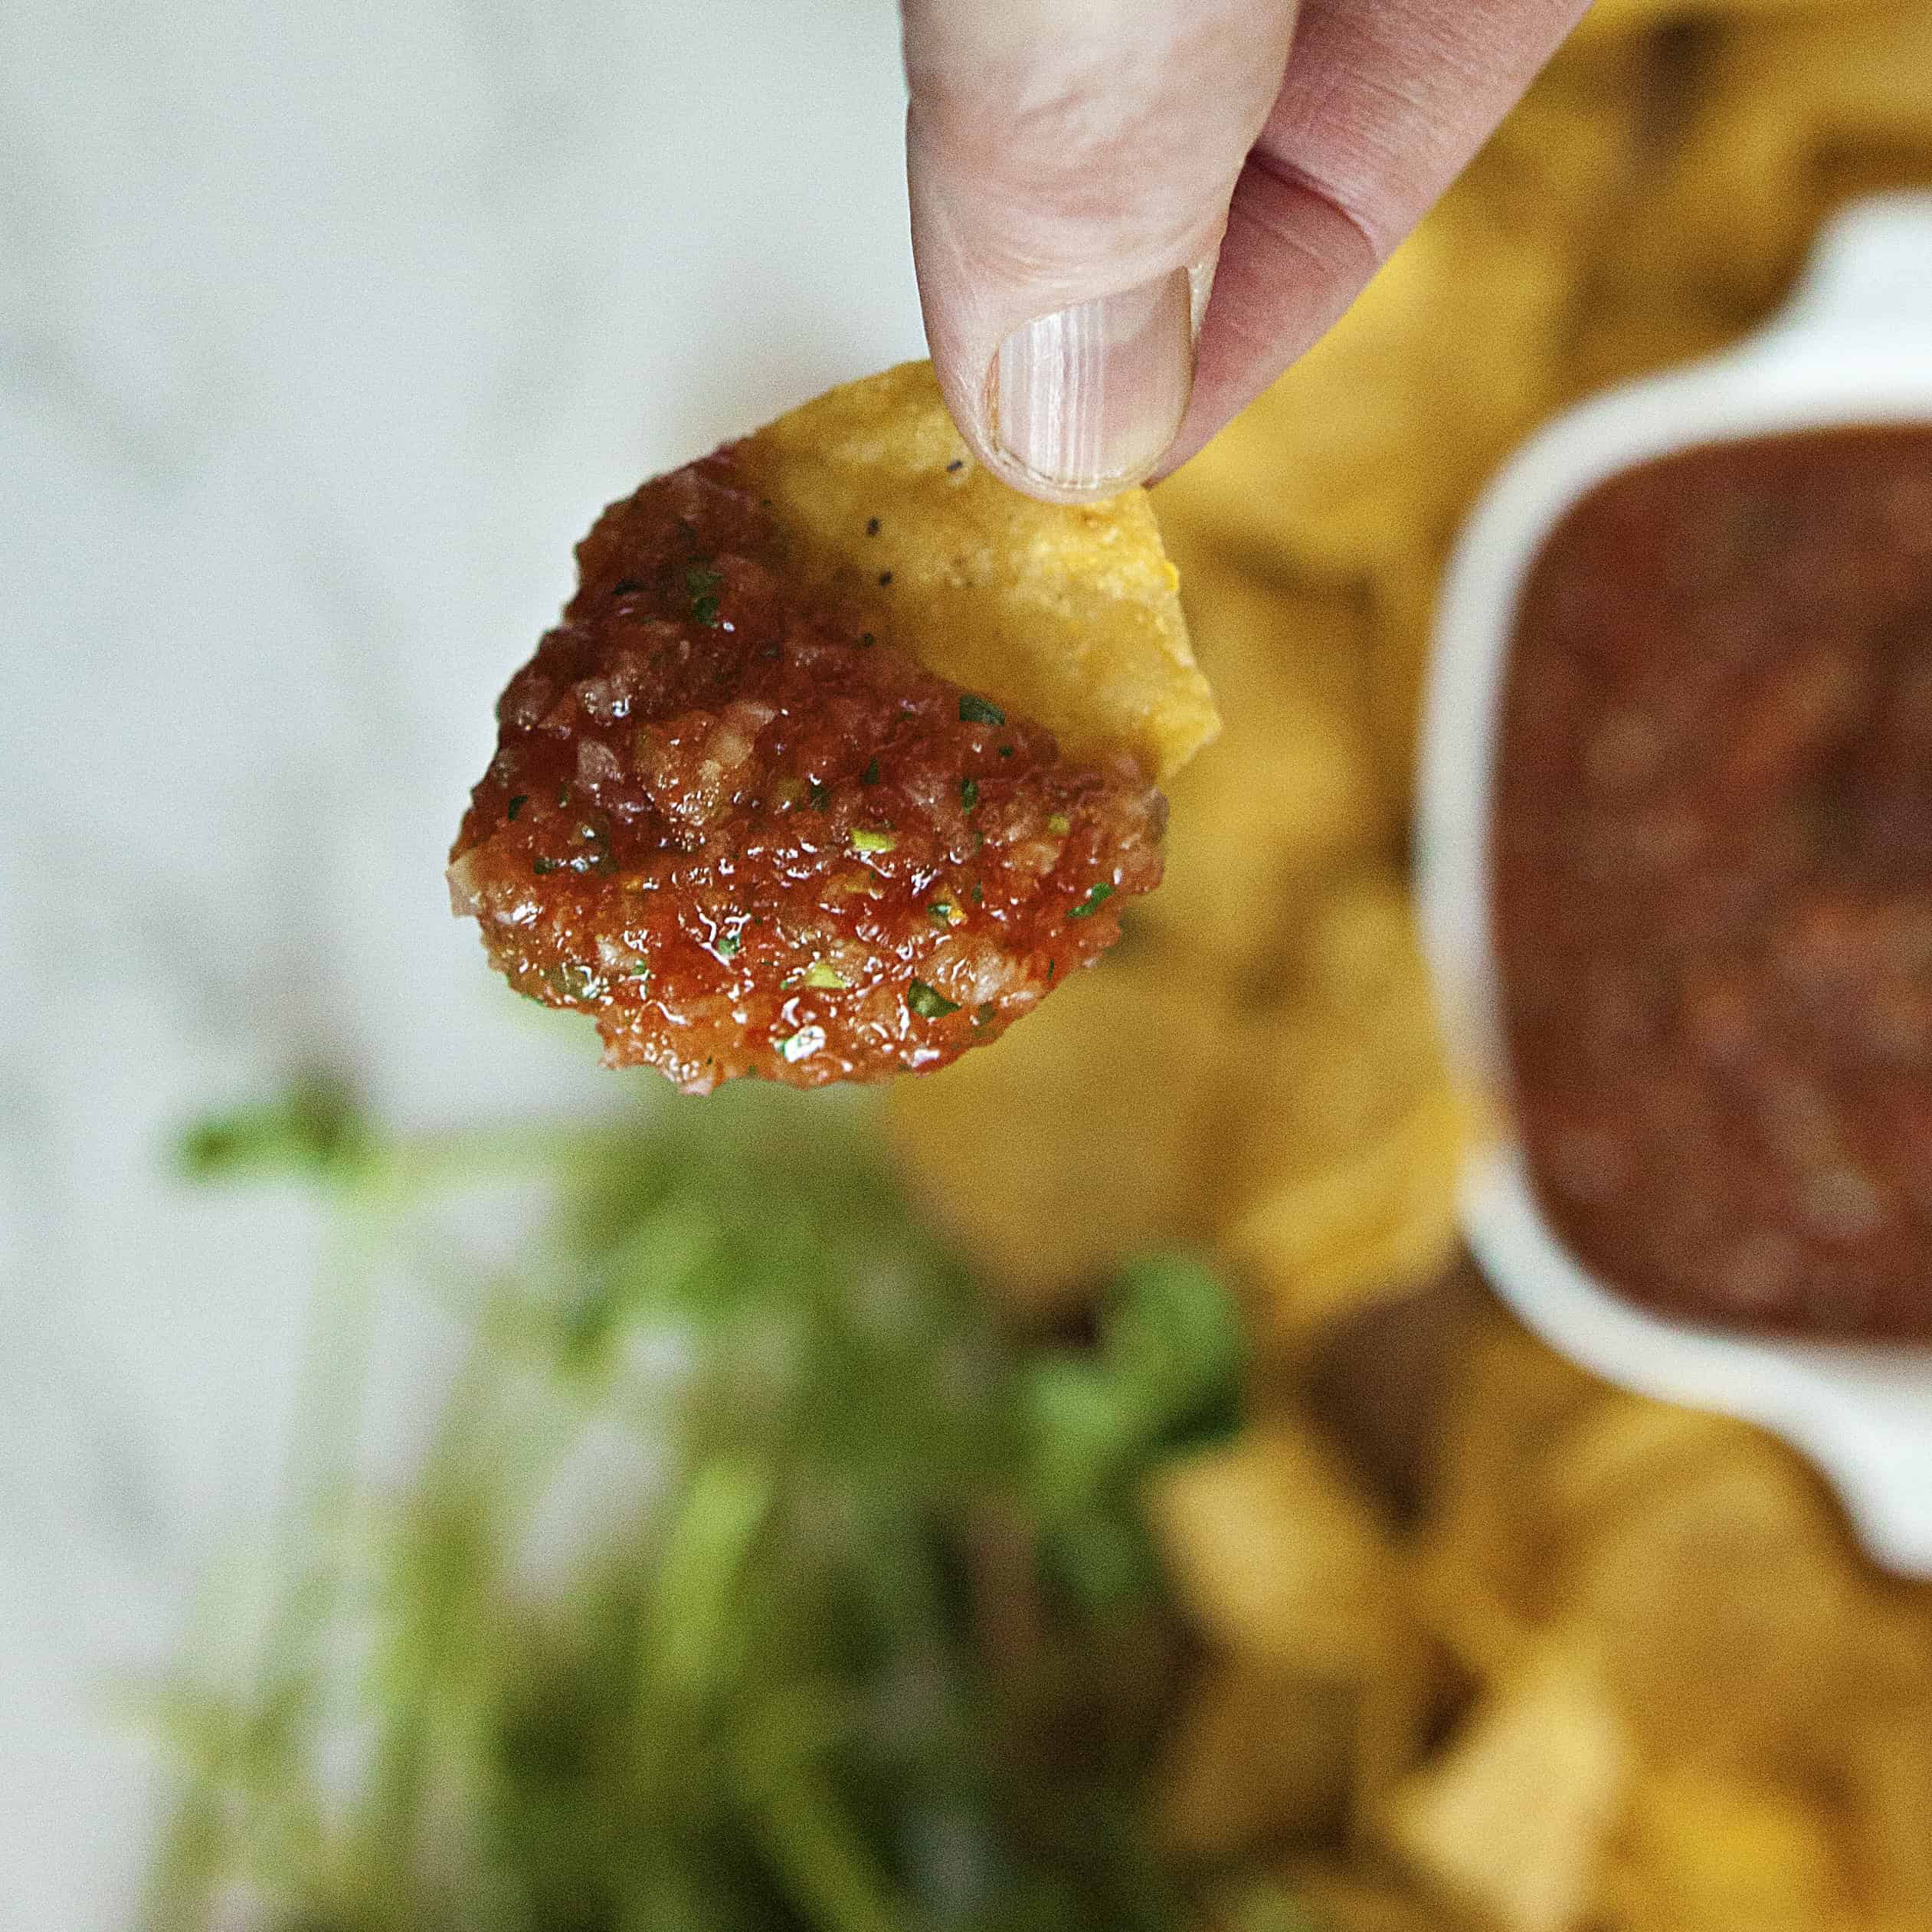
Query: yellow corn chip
point(1069, 616)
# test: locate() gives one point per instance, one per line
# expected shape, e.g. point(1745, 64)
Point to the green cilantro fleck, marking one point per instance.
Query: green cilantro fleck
point(871, 777)
point(928, 1003)
point(517, 803)
point(824, 975)
point(866, 639)
point(543, 868)
point(728, 945)
point(976, 710)
point(969, 794)
point(864, 838)
point(820, 796)
point(1098, 895)
point(979, 893)
point(1005, 750)
point(1050, 965)
point(703, 585)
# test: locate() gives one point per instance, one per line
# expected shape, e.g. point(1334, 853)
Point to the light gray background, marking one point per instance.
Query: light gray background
point(324, 331)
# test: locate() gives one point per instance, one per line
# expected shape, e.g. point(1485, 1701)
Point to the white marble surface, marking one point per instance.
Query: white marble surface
point(324, 330)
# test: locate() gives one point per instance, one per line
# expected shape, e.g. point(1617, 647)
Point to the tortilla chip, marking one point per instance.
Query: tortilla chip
point(1080, 1139)
point(1289, 792)
point(1069, 616)
point(1276, 1555)
point(1370, 442)
point(1255, 1755)
point(1708, 1854)
point(1513, 1822)
point(1724, 1607)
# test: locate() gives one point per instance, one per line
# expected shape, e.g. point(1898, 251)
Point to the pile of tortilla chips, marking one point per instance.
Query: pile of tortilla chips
point(1508, 1648)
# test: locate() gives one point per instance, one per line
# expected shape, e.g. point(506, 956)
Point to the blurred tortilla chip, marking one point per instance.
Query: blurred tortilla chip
point(1702, 1854)
point(1382, 429)
point(1289, 791)
point(1890, 1775)
point(1347, 1187)
point(1255, 1755)
point(1078, 1140)
point(1725, 1609)
point(1276, 1554)
point(1069, 616)
point(1513, 1819)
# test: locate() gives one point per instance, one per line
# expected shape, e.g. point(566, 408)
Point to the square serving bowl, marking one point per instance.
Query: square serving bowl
point(1853, 345)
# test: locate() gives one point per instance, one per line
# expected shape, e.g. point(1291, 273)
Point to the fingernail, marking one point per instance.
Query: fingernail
point(1088, 397)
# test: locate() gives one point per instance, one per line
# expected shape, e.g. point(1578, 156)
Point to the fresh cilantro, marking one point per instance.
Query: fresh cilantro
point(680, 1724)
point(969, 794)
point(870, 776)
point(516, 804)
point(976, 710)
point(1098, 895)
point(702, 586)
point(928, 1002)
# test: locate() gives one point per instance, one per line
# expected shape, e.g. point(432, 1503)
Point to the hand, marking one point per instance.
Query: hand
point(1084, 171)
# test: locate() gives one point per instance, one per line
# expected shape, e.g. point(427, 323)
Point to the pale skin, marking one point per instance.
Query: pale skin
point(1104, 165)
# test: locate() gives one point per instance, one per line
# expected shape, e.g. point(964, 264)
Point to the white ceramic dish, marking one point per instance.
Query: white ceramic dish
point(1853, 345)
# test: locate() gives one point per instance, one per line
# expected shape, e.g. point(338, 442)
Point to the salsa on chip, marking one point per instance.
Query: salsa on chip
point(843, 755)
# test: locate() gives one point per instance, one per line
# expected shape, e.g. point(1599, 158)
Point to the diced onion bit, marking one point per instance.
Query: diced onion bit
point(802, 1045)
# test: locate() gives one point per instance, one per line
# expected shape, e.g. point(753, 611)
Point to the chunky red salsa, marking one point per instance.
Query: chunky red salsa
point(1713, 869)
point(749, 836)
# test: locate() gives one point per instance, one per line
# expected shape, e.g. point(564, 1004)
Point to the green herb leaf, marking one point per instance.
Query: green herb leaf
point(928, 1003)
point(870, 776)
point(976, 710)
point(969, 794)
point(516, 804)
point(1098, 895)
point(824, 975)
point(702, 586)
point(866, 838)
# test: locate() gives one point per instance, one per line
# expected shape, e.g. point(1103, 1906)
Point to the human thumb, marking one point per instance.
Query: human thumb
point(1071, 163)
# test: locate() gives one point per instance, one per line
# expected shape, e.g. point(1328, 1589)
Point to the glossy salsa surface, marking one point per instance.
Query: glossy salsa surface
point(1712, 852)
point(749, 836)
